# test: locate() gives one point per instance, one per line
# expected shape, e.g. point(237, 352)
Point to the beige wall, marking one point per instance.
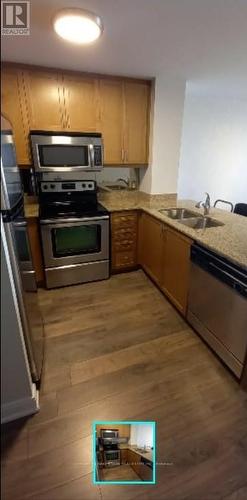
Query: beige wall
point(166, 130)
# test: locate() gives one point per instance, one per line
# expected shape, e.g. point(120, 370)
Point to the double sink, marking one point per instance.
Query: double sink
point(190, 218)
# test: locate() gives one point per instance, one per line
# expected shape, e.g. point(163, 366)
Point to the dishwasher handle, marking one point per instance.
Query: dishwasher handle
point(220, 268)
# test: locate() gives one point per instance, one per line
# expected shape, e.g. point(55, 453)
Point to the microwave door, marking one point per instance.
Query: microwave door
point(62, 157)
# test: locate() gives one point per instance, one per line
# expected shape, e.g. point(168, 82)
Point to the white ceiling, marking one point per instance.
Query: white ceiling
point(192, 39)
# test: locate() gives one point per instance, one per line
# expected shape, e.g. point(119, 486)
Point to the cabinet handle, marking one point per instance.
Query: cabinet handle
point(122, 154)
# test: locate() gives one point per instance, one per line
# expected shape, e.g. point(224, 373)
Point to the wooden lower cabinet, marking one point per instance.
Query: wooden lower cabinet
point(124, 456)
point(123, 240)
point(164, 254)
point(176, 267)
point(150, 246)
point(35, 247)
point(134, 460)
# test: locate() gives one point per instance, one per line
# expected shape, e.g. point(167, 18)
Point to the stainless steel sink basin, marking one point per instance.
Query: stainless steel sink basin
point(201, 222)
point(141, 450)
point(178, 213)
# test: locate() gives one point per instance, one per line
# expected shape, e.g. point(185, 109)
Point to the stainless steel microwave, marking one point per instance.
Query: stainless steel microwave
point(66, 151)
point(109, 433)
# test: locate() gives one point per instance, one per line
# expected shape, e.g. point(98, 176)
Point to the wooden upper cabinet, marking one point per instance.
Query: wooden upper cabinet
point(45, 100)
point(176, 267)
point(13, 107)
point(150, 246)
point(136, 96)
point(81, 103)
point(111, 120)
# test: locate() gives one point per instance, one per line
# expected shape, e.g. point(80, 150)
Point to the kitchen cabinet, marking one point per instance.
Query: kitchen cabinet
point(124, 456)
point(134, 460)
point(45, 101)
point(81, 103)
point(123, 240)
point(35, 247)
point(176, 267)
point(13, 107)
point(164, 254)
point(124, 121)
point(123, 429)
point(136, 97)
point(150, 246)
point(111, 122)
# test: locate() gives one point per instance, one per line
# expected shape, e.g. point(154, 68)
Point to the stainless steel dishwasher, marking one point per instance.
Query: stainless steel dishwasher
point(217, 305)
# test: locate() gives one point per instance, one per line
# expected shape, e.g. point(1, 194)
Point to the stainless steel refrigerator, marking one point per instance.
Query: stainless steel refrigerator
point(15, 226)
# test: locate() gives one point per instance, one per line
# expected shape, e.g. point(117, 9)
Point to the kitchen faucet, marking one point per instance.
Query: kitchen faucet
point(205, 205)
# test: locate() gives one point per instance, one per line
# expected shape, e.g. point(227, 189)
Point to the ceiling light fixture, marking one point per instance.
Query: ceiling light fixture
point(78, 25)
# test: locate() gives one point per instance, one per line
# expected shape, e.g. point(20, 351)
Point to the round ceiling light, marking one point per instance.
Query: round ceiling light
point(78, 25)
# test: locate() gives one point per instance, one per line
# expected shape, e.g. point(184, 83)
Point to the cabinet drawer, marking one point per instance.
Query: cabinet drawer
point(124, 220)
point(124, 259)
point(126, 244)
point(124, 234)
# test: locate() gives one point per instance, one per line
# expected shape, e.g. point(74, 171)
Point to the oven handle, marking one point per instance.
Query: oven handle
point(20, 224)
point(74, 219)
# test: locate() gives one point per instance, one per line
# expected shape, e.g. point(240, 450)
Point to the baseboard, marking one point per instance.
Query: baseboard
point(21, 407)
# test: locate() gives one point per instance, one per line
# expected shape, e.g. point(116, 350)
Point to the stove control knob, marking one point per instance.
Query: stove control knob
point(45, 186)
point(90, 186)
point(83, 185)
point(52, 186)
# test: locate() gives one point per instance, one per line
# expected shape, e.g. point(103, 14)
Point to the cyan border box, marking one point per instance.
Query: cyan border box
point(114, 422)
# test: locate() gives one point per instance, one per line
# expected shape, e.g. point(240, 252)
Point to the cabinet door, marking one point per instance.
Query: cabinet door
point(175, 282)
point(13, 107)
point(80, 103)
point(124, 430)
point(134, 461)
point(124, 456)
point(136, 98)
point(111, 120)
point(150, 246)
point(45, 100)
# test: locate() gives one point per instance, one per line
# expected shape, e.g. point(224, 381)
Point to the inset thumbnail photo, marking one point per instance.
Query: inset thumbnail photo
point(124, 452)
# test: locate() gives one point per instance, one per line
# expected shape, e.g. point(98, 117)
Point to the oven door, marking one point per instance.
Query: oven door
point(72, 241)
point(111, 458)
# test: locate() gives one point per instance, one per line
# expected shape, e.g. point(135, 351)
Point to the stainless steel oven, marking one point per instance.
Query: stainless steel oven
point(112, 458)
point(61, 152)
point(75, 250)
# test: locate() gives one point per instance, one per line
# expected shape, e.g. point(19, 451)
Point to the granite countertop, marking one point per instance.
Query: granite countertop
point(229, 240)
point(148, 455)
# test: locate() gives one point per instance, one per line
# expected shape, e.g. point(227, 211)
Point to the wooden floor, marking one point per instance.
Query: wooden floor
point(121, 473)
point(117, 349)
